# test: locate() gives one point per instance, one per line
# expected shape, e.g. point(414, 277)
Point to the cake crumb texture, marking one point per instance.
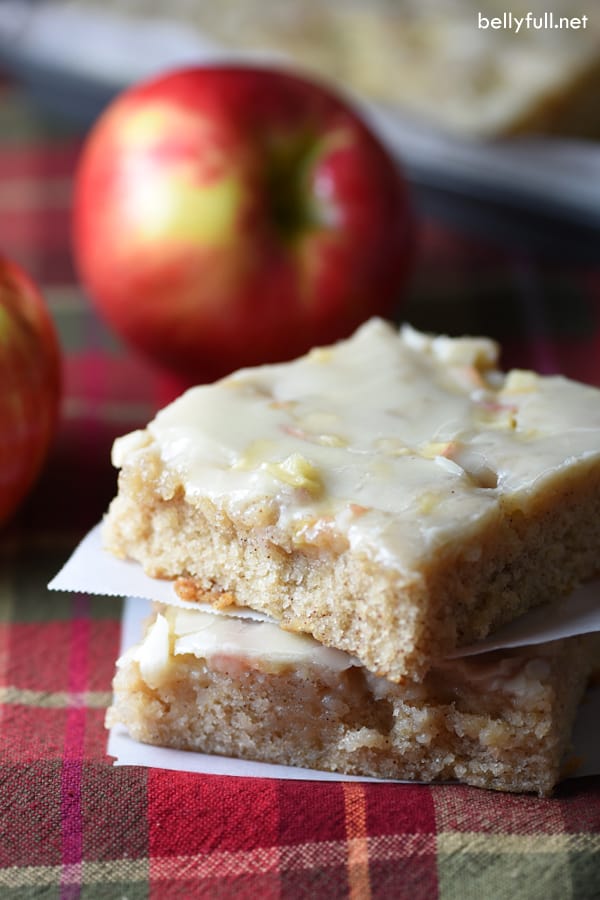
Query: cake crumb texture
point(501, 720)
point(395, 495)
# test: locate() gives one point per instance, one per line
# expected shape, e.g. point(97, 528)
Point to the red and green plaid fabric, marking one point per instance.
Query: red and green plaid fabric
point(72, 825)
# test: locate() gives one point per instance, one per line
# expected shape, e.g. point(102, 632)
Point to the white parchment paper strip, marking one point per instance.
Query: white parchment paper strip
point(92, 570)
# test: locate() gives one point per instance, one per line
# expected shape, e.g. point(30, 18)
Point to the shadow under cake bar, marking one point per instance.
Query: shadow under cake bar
point(394, 495)
point(219, 684)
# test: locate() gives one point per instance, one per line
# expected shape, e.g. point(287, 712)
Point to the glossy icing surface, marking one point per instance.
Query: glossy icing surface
point(395, 442)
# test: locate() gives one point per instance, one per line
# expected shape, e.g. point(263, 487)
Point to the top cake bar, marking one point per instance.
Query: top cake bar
point(394, 495)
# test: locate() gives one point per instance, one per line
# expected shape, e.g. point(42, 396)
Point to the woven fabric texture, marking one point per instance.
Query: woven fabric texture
point(72, 825)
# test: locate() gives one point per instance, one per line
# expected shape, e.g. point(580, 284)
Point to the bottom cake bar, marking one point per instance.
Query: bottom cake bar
point(244, 688)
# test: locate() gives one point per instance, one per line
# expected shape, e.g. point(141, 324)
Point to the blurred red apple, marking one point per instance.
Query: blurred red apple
point(233, 216)
point(30, 385)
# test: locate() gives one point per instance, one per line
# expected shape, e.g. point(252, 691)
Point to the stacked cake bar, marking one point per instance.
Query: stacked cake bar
point(379, 504)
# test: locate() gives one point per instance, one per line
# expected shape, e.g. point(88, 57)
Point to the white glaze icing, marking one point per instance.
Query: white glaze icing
point(214, 636)
point(397, 440)
point(206, 636)
point(152, 654)
point(177, 631)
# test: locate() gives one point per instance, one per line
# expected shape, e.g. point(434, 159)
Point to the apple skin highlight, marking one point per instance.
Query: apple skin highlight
point(226, 217)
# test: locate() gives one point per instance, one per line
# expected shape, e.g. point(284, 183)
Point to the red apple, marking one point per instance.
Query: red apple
point(232, 216)
point(30, 385)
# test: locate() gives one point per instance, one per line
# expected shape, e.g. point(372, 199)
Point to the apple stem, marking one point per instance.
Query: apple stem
point(287, 188)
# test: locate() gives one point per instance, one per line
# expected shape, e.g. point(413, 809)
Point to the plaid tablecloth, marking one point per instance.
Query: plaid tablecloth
point(72, 825)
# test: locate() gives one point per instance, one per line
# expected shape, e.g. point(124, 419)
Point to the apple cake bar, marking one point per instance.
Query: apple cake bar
point(213, 683)
point(394, 495)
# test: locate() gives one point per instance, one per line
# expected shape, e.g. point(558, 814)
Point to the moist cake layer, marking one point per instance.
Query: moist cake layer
point(394, 495)
point(240, 688)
